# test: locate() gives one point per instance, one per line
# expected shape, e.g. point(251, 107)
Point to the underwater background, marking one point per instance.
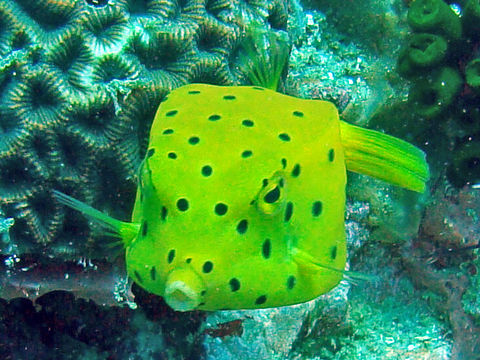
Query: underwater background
point(80, 82)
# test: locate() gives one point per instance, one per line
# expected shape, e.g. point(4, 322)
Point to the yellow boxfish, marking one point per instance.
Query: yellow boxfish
point(241, 197)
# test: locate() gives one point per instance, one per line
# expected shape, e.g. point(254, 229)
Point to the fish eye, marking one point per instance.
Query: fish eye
point(271, 198)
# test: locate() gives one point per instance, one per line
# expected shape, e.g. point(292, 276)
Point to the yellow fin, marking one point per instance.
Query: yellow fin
point(307, 263)
point(113, 227)
point(384, 157)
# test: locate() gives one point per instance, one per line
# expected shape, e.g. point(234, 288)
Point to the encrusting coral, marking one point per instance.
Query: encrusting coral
point(441, 60)
point(79, 85)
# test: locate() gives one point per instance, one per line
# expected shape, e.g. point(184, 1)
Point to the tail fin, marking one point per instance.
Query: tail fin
point(384, 157)
point(124, 230)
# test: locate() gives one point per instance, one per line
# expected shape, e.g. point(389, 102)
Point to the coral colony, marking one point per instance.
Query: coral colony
point(79, 84)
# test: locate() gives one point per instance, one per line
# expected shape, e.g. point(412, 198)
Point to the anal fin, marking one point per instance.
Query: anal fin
point(308, 263)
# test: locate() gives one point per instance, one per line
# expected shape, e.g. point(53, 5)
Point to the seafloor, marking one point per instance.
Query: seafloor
point(421, 298)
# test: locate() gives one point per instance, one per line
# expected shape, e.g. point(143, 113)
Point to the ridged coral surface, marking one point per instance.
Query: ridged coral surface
point(80, 81)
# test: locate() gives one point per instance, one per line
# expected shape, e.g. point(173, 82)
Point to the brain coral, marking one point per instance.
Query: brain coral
point(80, 81)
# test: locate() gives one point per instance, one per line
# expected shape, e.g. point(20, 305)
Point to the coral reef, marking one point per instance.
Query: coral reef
point(88, 135)
point(79, 84)
point(441, 59)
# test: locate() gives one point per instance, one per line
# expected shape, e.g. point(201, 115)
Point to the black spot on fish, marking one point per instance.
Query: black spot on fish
point(203, 292)
point(153, 273)
point(242, 226)
point(221, 209)
point(261, 300)
point(207, 267)
point(272, 196)
point(137, 276)
point(144, 228)
point(291, 281)
point(288, 211)
point(167, 131)
point(163, 213)
point(194, 140)
point(207, 170)
point(188, 260)
point(266, 248)
point(246, 153)
point(182, 204)
point(284, 137)
point(234, 284)
point(298, 113)
point(171, 113)
point(284, 163)
point(296, 170)
point(317, 208)
point(214, 117)
point(264, 182)
point(172, 155)
point(333, 252)
point(229, 97)
point(194, 92)
point(331, 155)
point(247, 123)
point(150, 153)
point(281, 182)
point(171, 256)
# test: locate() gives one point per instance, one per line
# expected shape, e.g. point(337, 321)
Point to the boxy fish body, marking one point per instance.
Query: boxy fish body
point(241, 197)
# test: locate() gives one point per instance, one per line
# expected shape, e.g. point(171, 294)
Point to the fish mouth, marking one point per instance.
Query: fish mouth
point(184, 289)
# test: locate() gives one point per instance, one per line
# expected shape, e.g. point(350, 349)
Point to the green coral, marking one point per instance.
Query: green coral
point(423, 52)
point(434, 16)
point(465, 163)
point(471, 18)
point(472, 75)
point(441, 60)
point(431, 94)
point(79, 85)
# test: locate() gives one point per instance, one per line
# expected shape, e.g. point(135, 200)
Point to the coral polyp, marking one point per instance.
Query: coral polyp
point(12, 132)
point(134, 123)
point(441, 60)
point(37, 99)
point(162, 50)
point(104, 28)
point(92, 119)
point(71, 56)
point(113, 67)
point(48, 20)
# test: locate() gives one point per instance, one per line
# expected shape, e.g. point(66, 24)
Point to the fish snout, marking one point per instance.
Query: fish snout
point(184, 289)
